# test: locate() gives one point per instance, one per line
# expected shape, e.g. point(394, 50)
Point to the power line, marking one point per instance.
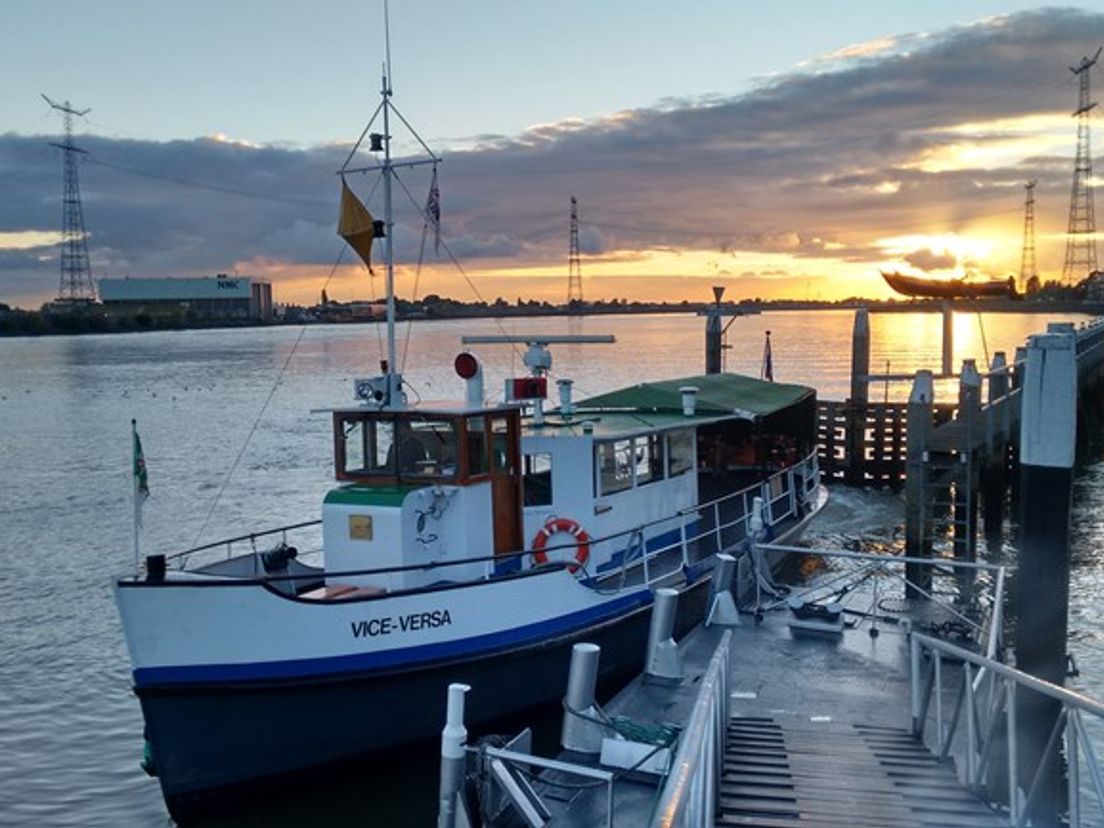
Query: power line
point(574, 267)
point(215, 188)
point(1027, 259)
point(1081, 235)
point(76, 271)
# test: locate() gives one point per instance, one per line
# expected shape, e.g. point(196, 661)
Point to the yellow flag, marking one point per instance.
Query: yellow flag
point(355, 225)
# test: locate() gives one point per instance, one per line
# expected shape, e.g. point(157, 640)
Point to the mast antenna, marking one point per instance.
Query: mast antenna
point(1081, 235)
point(574, 268)
point(76, 271)
point(1028, 276)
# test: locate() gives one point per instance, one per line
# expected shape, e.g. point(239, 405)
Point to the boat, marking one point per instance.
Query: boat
point(462, 540)
point(916, 286)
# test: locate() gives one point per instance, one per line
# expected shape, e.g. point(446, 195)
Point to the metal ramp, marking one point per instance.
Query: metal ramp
point(790, 771)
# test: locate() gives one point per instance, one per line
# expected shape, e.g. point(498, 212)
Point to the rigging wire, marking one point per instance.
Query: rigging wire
point(215, 188)
point(984, 341)
point(260, 414)
point(459, 267)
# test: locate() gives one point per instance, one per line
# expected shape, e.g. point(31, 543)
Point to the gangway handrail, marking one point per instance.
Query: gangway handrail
point(980, 683)
point(689, 795)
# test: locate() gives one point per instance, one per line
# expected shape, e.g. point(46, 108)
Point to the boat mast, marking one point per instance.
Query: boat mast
point(386, 391)
point(393, 378)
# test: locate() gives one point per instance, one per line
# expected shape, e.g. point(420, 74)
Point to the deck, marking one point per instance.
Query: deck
point(818, 734)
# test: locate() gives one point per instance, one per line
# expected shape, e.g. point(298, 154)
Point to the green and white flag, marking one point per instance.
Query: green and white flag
point(141, 481)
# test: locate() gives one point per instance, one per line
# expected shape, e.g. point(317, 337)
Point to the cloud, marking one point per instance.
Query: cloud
point(914, 134)
point(929, 260)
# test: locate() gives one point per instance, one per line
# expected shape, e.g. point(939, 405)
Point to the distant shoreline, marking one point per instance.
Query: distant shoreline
point(16, 323)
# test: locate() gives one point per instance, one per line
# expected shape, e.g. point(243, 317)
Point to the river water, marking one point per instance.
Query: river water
point(70, 730)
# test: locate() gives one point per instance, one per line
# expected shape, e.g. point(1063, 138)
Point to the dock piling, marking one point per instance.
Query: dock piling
point(454, 736)
point(994, 479)
point(964, 510)
point(948, 339)
point(663, 661)
point(1048, 437)
point(860, 396)
point(580, 732)
point(918, 514)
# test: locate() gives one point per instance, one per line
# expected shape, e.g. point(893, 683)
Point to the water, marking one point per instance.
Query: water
point(70, 730)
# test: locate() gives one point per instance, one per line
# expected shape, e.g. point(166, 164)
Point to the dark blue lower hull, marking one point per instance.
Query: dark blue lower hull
point(209, 741)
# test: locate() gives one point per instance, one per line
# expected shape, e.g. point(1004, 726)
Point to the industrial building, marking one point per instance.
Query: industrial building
point(208, 298)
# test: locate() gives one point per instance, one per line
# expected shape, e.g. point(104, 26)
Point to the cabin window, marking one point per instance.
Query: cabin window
point(368, 446)
point(537, 480)
point(477, 446)
point(615, 466)
point(680, 450)
point(648, 458)
point(426, 447)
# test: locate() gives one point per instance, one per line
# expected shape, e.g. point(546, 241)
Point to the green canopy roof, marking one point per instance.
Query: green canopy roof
point(718, 395)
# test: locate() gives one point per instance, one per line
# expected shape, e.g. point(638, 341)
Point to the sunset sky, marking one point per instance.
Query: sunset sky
point(790, 151)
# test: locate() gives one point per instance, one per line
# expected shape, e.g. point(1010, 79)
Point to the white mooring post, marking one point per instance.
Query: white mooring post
point(722, 608)
point(663, 661)
point(1048, 439)
point(454, 736)
point(581, 731)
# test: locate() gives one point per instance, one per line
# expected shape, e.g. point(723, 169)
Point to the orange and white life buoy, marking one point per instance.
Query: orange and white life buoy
point(554, 526)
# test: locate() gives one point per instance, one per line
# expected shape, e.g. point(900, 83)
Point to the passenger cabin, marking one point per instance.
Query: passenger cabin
point(440, 483)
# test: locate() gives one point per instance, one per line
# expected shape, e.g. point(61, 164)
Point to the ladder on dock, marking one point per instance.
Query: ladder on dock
point(789, 771)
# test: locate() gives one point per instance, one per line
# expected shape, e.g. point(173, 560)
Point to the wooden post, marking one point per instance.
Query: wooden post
point(860, 392)
point(948, 339)
point(1048, 435)
point(994, 480)
point(917, 507)
point(714, 333)
point(964, 514)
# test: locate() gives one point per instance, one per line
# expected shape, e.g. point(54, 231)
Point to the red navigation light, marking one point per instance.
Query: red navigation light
point(466, 365)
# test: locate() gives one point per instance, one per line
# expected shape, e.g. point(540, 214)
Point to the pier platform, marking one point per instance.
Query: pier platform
point(817, 734)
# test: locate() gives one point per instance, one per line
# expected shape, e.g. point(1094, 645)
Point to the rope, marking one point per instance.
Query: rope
point(984, 342)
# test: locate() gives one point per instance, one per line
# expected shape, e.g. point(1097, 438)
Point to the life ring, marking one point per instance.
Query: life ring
point(554, 526)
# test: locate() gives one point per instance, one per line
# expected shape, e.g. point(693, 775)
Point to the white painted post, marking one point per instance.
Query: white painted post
point(578, 733)
point(454, 736)
point(722, 608)
point(663, 659)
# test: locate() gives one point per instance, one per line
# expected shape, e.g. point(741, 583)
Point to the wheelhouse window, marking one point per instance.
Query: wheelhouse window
point(371, 447)
point(476, 430)
point(537, 479)
point(680, 451)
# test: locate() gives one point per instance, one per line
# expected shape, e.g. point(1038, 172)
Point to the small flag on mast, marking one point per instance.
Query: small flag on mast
point(768, 361)
point(356, 225)
point(433, 211)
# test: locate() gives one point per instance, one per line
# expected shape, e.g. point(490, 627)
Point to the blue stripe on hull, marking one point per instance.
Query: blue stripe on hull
point(213, 743)
point(409, 656)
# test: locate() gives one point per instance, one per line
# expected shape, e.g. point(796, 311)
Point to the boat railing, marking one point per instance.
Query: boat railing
point(228, 544)
point(782, 495)
point(991, 695)
point(689, 795)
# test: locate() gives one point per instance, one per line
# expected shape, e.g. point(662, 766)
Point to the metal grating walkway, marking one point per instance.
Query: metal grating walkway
point(789, 771)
